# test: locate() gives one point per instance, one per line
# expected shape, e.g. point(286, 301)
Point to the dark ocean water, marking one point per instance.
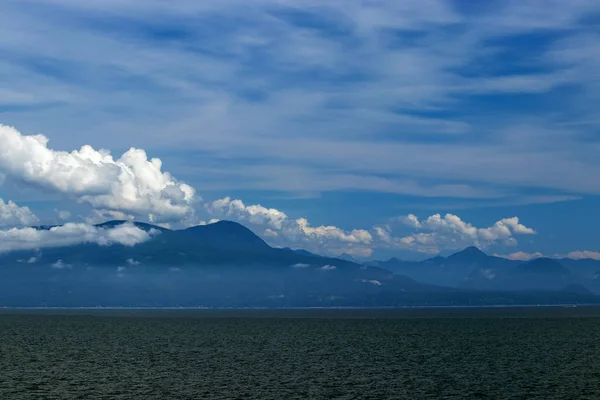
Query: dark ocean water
point(350, 354)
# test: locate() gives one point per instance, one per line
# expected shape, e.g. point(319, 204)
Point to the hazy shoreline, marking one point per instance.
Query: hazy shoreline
point(510, 311)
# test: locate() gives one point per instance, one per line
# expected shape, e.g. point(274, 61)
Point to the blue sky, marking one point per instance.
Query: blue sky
point(350, 114)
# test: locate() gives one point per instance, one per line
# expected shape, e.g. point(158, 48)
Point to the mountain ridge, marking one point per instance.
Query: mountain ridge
point(226, 264)
point(472, 268)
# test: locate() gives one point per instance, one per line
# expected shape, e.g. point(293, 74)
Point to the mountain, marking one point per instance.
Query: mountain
point(470, 255)
point(346, 256)
point(392, 264)
point(576, 288)
point(222, 264)
point(453, 271)
point(544, 266)
point(472, 269)
point(586, 267)
point(537, 274)
point(302, 252)
point(226, 265)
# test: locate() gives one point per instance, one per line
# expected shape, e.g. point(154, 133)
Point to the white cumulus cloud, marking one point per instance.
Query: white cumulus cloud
point(254, 214)
point(437, 232)
point(331, 232)
point(270, 233)
point(131, 184)
point(63, 215)
point(11, 215)
point(278, 226)
point(71, 234)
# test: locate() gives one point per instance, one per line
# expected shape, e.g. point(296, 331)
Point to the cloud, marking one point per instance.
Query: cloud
point(328, 267)
point(11, 214)
point(385, 238)
point(131, 261)
point(410, 220)
point(574, 255)
point(372, 281)
point(451, 232)
point(131, 183)
point(254, 214)
point(356, 236)
point(583, 254)
point(300, 265)
point(63, 215)
point(521, 255)
point(515, 226)
point(345, 81)
point(71, 234)
point(285, 231)
point(433, 234)
point(99, 216)
point(270, 233)
point(60, 264)
point(355, 95)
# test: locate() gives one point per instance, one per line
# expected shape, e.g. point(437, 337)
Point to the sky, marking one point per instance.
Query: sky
point(373, 128)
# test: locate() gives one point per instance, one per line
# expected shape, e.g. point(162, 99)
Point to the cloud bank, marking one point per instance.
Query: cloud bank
point(451, 232)
point(133, 185)
point(130, 184)
point(71, 234)
point(582, 254)
point(432, 235)
point(282, 230)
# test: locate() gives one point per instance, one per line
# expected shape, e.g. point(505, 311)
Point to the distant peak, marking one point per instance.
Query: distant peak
point(392, 261)
point(227, 233)
point(473, 250)
point(227, 222)
point(470, 252)
point(220, 225)
point(231, 225)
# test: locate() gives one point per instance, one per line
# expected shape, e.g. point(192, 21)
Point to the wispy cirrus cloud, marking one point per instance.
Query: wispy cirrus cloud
point(317, 86)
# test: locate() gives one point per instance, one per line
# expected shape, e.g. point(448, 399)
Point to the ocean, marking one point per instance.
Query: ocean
point(480, 353)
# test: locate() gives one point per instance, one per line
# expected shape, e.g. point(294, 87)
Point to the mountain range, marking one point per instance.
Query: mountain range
point(471, 268)
point(226, 265)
